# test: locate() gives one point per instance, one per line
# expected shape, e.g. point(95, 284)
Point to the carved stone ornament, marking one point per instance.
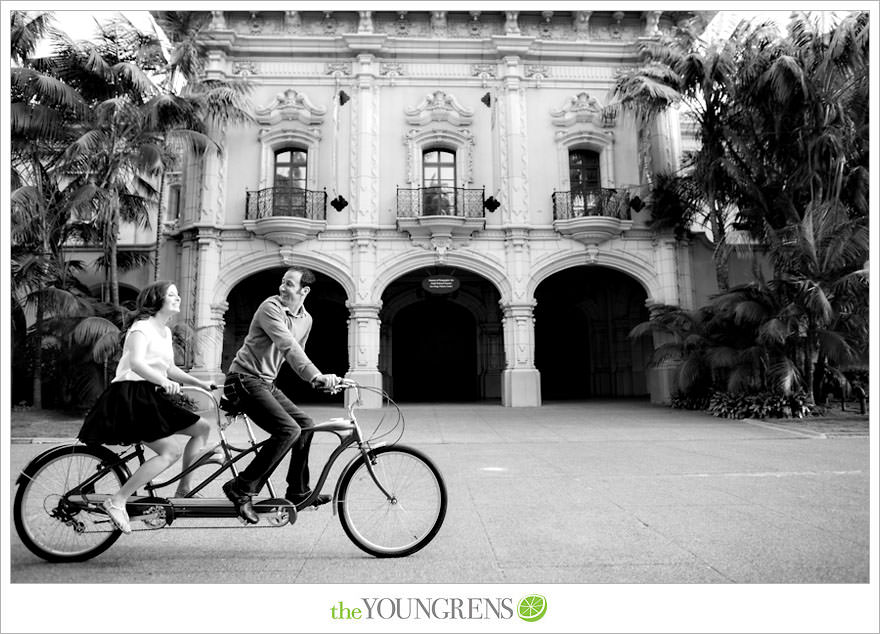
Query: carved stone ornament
point(244, 69)
point(291, 105)
point(582, 108)
point(439, 106)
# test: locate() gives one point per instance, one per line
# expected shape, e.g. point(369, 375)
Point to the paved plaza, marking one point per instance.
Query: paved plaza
point(581, 492)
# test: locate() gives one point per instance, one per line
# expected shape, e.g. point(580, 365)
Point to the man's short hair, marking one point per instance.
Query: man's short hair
point(306, 276)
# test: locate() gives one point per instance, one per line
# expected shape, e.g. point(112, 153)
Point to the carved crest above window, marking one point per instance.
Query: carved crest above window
point(291, 105)
point(582, 108)
point(439, 106)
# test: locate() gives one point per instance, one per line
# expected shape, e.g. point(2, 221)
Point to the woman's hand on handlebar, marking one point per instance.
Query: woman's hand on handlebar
point(170, 387)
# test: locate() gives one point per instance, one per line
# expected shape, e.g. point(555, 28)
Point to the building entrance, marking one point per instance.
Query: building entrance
point(582, 347)
point(441, 337)
point(327, 344)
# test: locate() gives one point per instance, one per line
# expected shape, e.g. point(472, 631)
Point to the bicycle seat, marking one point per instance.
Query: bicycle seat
point(231, 408)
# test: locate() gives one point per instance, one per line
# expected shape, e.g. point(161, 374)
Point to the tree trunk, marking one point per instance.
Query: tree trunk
point(112, 265)
point(719, 255)
point(159, 227)
point(38, 354)
point(810, 358)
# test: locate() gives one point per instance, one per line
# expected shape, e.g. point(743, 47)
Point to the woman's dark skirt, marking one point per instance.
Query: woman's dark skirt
point(134, 411)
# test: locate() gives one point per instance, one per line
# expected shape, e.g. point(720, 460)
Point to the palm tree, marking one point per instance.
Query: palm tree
point(799, 127)
point(42, 200)
point(799, 166)
point(216, 103)
point(683, 69)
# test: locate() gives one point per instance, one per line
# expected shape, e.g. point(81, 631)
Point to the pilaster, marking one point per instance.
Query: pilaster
point(207, 319)
point(363, 350)
point(521, 380)
point(365, 135)
point(512, 139)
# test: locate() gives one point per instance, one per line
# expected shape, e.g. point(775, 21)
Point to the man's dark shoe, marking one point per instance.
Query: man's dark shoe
point(321, 498)
point(243, 505)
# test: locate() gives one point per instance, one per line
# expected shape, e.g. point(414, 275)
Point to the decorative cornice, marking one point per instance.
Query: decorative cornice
point(582, 108)
point(291, 105)
point(439, 106)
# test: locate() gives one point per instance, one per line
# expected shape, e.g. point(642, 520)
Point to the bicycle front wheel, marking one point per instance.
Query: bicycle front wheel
point(408, 518)
point(54, 523)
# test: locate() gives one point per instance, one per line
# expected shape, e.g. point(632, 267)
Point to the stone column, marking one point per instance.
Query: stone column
point(512, 142)
point(366, 153)
point(363, 350)
point(521, 381)
point(207, 319)
point(666, 265)
point(666, 146)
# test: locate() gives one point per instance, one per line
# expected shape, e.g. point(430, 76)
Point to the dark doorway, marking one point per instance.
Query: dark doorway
point(327, 345)
point(434, 355)
point(583, 318)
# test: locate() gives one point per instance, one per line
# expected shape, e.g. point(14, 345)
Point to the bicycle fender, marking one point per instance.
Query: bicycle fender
point(345, 469)
point(342, 473)
point(100, 450)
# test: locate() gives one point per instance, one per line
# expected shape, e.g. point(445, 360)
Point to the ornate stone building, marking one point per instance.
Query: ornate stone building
point(476, 223)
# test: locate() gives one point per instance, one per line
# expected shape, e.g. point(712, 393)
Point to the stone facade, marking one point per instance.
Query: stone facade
point(364, 95)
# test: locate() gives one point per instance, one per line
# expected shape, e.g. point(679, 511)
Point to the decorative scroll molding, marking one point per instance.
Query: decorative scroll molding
point(439, 106)
point(537, 72)
point(484, 71)
point(389, 69)
point(338, 69)
point(582, 108)
point(291, 105)
point(244, 69)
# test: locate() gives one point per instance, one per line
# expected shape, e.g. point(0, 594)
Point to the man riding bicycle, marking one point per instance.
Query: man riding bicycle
point(277, 333)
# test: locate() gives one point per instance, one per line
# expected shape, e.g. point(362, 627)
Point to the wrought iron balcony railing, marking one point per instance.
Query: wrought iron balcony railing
point(613, 203)
point(286, 201)
point(440, 201)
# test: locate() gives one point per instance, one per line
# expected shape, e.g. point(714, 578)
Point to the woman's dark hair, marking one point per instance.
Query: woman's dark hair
point(151, 299)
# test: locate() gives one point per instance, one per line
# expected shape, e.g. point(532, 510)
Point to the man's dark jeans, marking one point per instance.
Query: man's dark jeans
point(273, 412)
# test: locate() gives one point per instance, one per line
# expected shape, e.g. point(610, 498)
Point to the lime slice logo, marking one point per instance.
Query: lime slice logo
point(532, 607)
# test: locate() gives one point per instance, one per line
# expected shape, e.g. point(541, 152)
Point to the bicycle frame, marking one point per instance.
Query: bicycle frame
point(347, 430)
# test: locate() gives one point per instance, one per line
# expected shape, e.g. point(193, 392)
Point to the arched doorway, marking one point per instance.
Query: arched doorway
point(583, 318)
point(435, 352)
point(327, 345)
point(441, 343)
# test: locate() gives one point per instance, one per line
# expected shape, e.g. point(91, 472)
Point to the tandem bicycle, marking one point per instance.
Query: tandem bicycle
point(390, 498)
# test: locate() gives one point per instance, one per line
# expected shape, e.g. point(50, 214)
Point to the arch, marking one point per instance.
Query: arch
point(406, 299)
point(246, 265)
point(475, 264)
point(636, 268)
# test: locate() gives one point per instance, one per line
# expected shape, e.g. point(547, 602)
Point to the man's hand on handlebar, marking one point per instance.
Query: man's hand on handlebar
point(328, 382)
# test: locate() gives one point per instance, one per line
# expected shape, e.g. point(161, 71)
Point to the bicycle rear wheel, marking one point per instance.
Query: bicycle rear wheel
point(407, 522)
point(52, 523)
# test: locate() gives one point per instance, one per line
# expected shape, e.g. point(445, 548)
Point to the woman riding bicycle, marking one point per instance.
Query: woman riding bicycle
point(133, 409)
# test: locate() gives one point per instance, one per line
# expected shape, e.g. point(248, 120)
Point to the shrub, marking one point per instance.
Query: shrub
point(761, 405)
point(687, 400)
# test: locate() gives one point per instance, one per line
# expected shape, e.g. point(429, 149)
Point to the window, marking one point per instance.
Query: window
point(584, 177)
point(438, 182)
point(289, 185)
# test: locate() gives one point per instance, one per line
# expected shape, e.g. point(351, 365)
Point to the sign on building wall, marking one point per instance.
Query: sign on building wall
point(440, 284)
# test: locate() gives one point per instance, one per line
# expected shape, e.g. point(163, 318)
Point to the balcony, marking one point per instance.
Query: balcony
point(440, 215)
point(286, 215)
point(592, 216)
